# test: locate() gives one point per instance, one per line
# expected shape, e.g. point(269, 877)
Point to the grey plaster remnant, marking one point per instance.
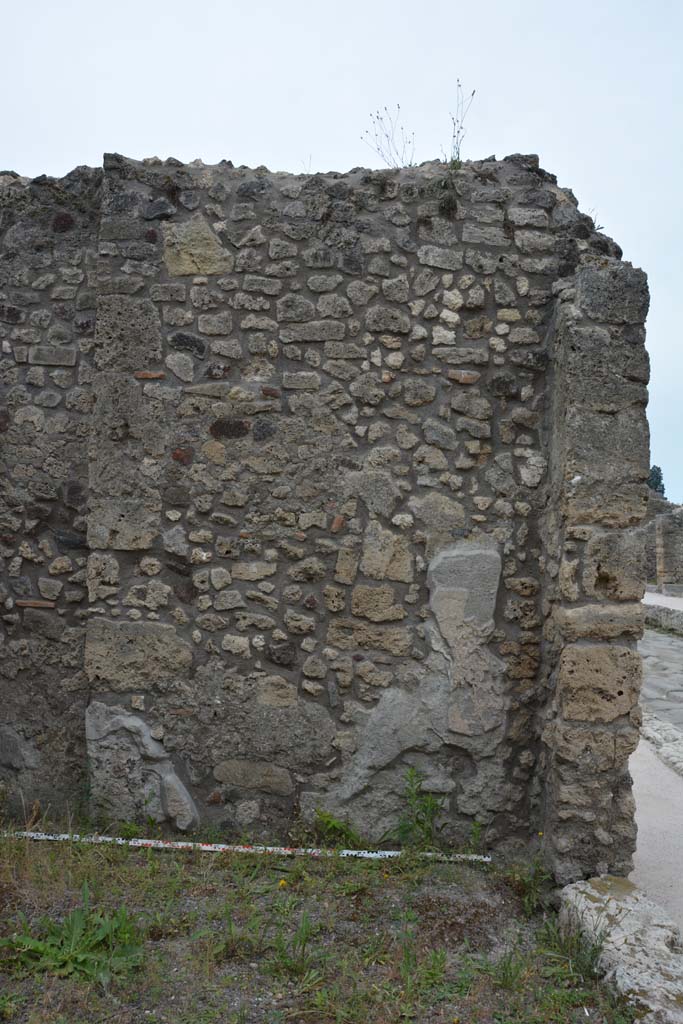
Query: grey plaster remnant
point(463, 582)
point(131, 774)
point(15, 751)
point(642, 948)
point(462, 694)
point(261, 775)
point(370, 790)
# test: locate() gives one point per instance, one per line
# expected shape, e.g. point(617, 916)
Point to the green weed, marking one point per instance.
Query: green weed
point(374, 951)
point(293, 956)
point(422, 974)
point(353, 1001)
point(569, 952)
point(10, 1006)
point(332, 832)
point(168, 923)
point(417, 827)
point(229, 940)
point(465, 976)
point(530, 882)
point(476, 842)
point(509, 970)
point(336, 940)
point(129, 830)
point(87, 943)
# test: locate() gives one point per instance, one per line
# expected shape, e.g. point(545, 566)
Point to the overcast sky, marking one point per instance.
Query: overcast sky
point(593, 87)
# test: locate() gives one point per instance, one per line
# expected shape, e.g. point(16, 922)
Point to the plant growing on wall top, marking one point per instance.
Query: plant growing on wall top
point(463, 103)
point(389, 139)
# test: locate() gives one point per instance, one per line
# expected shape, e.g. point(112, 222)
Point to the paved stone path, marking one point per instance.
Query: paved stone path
point(662, 692)
point(666, 600)
point(659, 812)
point(658, 790)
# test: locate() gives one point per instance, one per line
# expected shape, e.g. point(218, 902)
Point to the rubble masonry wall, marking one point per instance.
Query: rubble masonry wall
point(309, 479)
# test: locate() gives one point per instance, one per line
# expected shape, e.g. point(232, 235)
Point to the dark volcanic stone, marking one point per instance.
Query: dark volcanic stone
point(228, 427)
point(10, 314)
point(281, 653)
point(217, 371)
point(74, 495)
point(36, 511)
point(187, 342)
point(184, 591)
point(504, 385)
point(159, 209)
point(62, 222)
point(65, 539)
point(22, 586)
point(252, 189)
point(175, 495)
point(535, 360)
point(84, 323)
point(179, 568)
point(264, 429)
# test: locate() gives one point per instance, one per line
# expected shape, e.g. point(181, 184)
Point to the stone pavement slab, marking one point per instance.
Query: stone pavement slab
point(662, 692)
point(657, 788)
point(641, 954)
point(658, 860)
point(665, 600)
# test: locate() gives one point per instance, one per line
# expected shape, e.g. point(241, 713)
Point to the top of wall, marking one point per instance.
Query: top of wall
point(508, 173)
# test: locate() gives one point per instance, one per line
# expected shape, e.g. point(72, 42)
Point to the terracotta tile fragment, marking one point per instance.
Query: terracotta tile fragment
point(182, 455)
point(464, 376)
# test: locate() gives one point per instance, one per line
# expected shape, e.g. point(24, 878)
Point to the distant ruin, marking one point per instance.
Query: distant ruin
point(669, 552)
point(309, 479)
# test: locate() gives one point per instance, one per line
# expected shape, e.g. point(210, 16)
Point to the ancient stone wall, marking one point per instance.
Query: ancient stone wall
point(48, 232)
point(594, 573)
point(669, 552)
point(338, 482)
point(656, 506)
